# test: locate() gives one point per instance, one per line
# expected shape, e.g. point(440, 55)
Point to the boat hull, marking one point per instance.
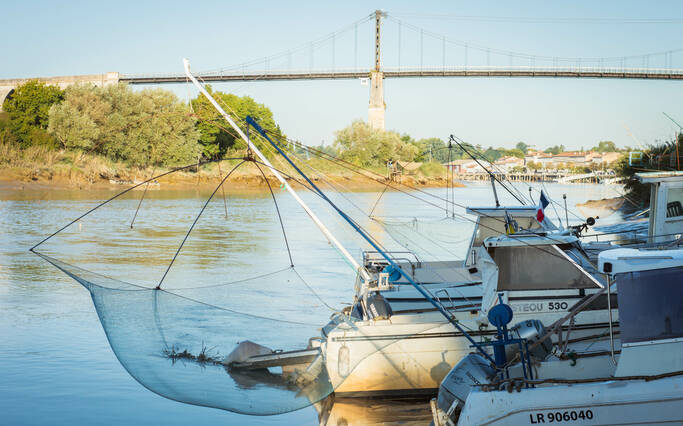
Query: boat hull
point(611, 402)
point(387, 357)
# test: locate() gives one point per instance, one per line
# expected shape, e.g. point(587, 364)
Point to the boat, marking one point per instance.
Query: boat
point(638, 384)
point(410, 352)
point(665, 219)
point(590, 363)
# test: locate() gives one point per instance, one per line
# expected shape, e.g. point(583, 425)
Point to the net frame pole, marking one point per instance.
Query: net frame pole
point(330, 237)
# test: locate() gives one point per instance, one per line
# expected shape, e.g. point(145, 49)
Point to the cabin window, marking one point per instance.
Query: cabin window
point(543, 267)
point(650, 305)
point(674, 202)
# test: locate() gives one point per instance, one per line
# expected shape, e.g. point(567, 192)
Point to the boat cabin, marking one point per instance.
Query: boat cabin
point(535, 273)
point(650, 308)
point(491, 222)
point(666, 205)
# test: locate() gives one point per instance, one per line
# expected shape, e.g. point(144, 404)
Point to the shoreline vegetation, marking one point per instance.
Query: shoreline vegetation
point(40, 168)
point(111, 137)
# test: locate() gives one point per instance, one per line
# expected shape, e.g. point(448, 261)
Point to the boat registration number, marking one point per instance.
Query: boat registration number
point(538, 306)
point(560, 416)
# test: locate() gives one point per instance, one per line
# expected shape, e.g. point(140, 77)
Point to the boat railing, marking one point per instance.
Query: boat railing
point(445, 292)
point(375, 260)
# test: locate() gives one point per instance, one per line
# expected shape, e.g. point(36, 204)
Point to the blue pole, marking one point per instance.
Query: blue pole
point(367, 238)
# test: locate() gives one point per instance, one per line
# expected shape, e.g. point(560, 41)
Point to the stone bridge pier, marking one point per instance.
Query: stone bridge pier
point(8, 86)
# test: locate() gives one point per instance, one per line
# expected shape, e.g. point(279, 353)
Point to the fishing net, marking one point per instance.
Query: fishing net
point(230, 306)
point(175, 343)
point(431, 239)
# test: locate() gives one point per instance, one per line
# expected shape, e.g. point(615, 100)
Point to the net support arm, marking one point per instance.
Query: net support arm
point(326, 232)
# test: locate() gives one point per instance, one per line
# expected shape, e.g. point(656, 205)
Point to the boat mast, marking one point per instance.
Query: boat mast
point(330, 237)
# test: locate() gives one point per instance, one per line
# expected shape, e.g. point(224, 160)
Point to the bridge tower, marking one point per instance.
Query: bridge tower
point(377, 106)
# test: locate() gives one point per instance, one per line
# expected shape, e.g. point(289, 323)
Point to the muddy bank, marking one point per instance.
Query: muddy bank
point(239, 181)
point(602, 208)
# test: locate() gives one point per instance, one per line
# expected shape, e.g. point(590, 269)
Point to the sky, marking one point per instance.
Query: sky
point(46, 38)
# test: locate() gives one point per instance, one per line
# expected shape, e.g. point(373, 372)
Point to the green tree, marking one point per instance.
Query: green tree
point(214, 139)
point(149, 127)
point(555, 149)
point(534, 166)
point(436, 150)
point(28, 110)
point(522, 147)
point(605, 146)
point(492, 154)
point(78, 121)
point(363, 145)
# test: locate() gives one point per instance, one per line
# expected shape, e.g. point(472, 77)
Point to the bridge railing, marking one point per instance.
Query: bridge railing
point(523, 68)
point(362, 72)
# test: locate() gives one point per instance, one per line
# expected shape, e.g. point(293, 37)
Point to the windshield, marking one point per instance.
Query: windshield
point(541, 267)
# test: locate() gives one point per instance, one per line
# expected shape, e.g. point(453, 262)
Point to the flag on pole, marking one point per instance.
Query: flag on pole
point(542, 204)
point(511, 225)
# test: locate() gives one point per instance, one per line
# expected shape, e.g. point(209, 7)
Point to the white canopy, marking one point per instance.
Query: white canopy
point(630, 260)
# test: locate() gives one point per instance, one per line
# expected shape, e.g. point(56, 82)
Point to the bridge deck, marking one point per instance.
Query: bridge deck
point(649, 74)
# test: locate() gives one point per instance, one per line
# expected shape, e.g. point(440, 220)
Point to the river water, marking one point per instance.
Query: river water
point(56, 366)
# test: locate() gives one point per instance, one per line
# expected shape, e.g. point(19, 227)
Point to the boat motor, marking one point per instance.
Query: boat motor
point(378, 307)
point(531, 331)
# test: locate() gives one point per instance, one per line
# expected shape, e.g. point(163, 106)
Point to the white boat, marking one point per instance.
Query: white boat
point(665, 219)
point(542, 274)
point(642, 386)
point(410, 352)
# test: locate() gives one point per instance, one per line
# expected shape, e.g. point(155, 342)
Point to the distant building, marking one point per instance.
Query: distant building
point(571, 157)
point(507, 163)
point(538, 157)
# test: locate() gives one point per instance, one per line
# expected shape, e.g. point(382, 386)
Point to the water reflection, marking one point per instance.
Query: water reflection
point(374, 411)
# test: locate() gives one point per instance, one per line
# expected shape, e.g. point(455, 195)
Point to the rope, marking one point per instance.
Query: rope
point(496, 385)
point(158, 287)
point(377, 202)
point(140, 203)
point(177, 169)
point(225, 202)
point(277, 209)
point(355, 169)
point(520, 200)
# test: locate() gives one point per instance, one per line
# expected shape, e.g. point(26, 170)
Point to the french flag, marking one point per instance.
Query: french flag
point(542, 204)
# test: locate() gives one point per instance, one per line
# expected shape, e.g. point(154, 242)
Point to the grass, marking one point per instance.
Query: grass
point(203, 357)
point(77, 168)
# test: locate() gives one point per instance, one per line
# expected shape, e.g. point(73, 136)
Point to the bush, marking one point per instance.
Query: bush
point(432, 169)
point(365, 146)
point(149, 127)
point(28, 111)
point(214, 140)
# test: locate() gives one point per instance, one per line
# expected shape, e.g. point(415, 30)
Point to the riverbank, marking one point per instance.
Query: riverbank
point(43, 169)
point(605, 207)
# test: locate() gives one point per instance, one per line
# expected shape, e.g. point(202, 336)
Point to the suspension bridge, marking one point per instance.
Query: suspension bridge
point(399, 52)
